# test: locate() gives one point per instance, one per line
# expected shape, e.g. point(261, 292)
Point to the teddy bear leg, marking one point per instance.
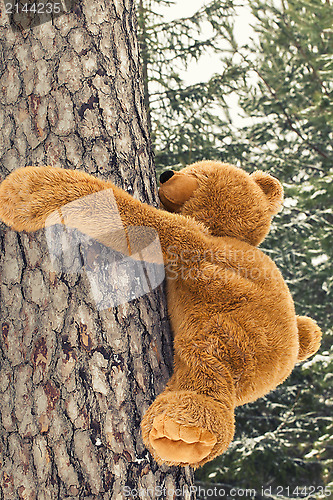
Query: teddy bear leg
point(179, 442)
point(187, 428)
point(192, 421)
point(309, 337)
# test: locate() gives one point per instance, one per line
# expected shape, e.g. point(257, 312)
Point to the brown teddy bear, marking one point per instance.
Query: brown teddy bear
point(236, 335)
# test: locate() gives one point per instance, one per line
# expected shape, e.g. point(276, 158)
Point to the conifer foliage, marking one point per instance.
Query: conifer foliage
point(186, 120)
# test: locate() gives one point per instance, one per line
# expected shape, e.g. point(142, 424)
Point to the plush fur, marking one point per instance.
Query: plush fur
point(236, 335)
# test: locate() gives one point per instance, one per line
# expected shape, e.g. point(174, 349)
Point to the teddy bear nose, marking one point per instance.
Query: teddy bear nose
point(165, 176)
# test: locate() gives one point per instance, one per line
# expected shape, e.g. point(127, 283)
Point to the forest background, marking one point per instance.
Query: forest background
point(281, 81)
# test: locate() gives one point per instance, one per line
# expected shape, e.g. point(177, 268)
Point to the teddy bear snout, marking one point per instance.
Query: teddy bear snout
point(165, 176)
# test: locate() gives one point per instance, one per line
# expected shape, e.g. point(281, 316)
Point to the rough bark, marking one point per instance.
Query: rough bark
point(75, 381)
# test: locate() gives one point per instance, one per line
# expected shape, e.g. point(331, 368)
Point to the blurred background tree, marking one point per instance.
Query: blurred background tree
point(188, 122)
point(282, 80)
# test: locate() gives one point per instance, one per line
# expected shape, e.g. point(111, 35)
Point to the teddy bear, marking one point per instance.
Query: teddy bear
point(236, 334)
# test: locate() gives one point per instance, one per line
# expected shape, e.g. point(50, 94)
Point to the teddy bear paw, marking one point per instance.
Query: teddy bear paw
point(176, 442)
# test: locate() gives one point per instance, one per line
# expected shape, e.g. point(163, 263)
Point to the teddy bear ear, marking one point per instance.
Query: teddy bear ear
point(271, 187)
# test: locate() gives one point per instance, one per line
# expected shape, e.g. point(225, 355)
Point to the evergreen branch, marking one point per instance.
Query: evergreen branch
point(195, 19)
point(301, 50)
point(290, 412)
point(289, 119)
point(278, 156)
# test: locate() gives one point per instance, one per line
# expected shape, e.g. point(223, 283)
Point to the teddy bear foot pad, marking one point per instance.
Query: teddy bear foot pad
point(176, 442)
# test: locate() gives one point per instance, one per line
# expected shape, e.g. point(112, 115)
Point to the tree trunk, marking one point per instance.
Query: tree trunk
point(75, 381)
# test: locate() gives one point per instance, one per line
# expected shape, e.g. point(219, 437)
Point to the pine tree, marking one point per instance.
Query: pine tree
point(185, 123)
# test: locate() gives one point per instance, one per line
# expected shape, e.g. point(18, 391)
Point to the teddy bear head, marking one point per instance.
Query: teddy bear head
point(225, 198)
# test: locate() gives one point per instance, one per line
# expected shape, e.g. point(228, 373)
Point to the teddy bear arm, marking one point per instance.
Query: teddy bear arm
point(31, 197)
